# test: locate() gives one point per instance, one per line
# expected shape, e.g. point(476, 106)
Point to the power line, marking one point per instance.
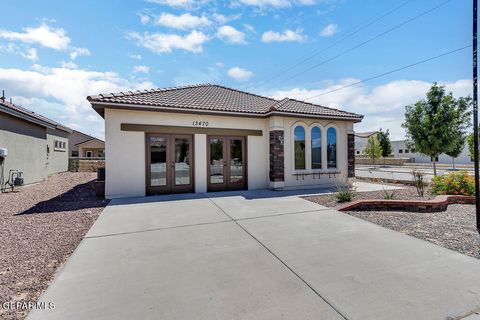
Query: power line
point(368, 41)
point(317, 52)
point(390, 72)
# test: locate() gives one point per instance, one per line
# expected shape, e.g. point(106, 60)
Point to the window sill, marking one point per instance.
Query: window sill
point(316, 174)
point(59, 150)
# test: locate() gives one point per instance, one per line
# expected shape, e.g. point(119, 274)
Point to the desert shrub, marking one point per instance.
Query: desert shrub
point(345, 193)
point(457, 183)
point(419, 182)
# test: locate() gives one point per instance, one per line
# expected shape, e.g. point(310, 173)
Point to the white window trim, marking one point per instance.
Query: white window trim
point(308, 148)
point(326, 147)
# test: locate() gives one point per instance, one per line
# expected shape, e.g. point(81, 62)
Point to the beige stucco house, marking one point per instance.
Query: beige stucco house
point(92, 148)
point(36, 146)
point(210, 138)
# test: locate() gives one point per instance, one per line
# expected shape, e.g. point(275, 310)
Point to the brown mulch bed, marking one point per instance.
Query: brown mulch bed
point(453, 229)
point(406, 193)
point(40, 226)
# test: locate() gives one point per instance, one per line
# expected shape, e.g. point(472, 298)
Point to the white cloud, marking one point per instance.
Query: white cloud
point(76, 52)
point(165, 43)
point(329, 30)
point(145, 19)
point(186, 4)
point(383, 105)
point(30, 54)
point(61, 92)
point(239, 74)
point(69, 65)
point(231, 35)
point(184, 21)
point(222, 19)
point(141, 69)
point(267, 3)
point(288, 35)
point(46, 36)
point(135, 56)
point(276, 3)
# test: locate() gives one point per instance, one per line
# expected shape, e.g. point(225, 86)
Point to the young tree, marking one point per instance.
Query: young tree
point(433, 125)
point(384, 140)
point(456, 148)
point(470, 144)
point(373, 149)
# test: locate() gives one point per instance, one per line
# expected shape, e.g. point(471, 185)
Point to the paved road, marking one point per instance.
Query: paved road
point(255, 255)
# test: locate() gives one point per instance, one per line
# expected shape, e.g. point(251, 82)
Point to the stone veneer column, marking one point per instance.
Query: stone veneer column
point(277, 159)
point(351, 154)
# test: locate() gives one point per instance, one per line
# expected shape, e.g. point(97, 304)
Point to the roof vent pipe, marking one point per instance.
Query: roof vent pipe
point(3, 95)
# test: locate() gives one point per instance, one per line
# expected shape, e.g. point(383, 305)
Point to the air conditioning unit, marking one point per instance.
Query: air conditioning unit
point(3, 152)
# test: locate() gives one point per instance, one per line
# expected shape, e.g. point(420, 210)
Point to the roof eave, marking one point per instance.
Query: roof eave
point(99, 107)
point(26, 117)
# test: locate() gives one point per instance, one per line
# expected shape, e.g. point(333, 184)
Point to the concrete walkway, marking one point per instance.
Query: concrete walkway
point(255, 255)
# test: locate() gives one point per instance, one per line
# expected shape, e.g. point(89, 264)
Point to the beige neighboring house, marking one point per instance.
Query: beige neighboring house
point(76, 138)
point(92, 148)
point(208, 137)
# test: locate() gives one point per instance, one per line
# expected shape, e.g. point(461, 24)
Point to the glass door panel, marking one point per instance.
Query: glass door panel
point(182, 161)
point(158, 161)
point(236, 160)
point(216, 161)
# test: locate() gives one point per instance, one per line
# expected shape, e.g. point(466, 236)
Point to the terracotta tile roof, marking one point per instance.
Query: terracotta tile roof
point(209, 97)
point(31, 116)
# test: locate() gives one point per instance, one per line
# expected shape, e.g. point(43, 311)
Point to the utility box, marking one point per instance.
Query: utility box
point(3, 152)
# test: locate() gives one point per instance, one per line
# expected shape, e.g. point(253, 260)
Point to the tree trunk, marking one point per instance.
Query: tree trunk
point(384, 165)
point(453, 163)
point(434, 167)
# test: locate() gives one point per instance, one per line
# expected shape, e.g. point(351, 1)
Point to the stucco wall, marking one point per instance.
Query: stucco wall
point(57, 160)
point(27, 148)
point(295, 178)
point(125, 150)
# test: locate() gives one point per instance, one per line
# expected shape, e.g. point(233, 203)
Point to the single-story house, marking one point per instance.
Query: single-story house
point(210, 138)
point(91, 146)
point(36, 145)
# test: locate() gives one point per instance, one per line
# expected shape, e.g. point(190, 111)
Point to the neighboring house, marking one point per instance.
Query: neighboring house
point(78, 139)
point(36, 145)
point(93, 148)
point(211, 138)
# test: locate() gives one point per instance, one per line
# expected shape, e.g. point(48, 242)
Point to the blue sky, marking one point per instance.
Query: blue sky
point(55, 53)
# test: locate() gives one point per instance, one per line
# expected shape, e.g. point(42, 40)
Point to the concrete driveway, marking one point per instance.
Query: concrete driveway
point(255, 255)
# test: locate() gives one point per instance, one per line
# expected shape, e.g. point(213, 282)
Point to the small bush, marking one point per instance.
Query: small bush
point(345, 194)
point(419, 183)
point(456, 183)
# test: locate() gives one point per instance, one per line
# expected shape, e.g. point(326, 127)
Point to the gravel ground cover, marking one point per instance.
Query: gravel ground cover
point(406, 193)
point(453, 229)
point(40, 226)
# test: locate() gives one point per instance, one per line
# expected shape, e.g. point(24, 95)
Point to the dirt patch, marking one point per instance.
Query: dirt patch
point(40, 226)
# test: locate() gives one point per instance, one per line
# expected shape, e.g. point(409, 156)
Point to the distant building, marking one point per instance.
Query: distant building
point(36, 145)
point(84, 145)
point(400, 150)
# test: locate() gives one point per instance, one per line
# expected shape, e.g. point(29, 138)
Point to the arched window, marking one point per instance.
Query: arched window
point(331, 148)
point(299, 147)
point(316, 148)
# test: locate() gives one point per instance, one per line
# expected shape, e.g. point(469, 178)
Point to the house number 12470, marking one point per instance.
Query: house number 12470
point(200, 123)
